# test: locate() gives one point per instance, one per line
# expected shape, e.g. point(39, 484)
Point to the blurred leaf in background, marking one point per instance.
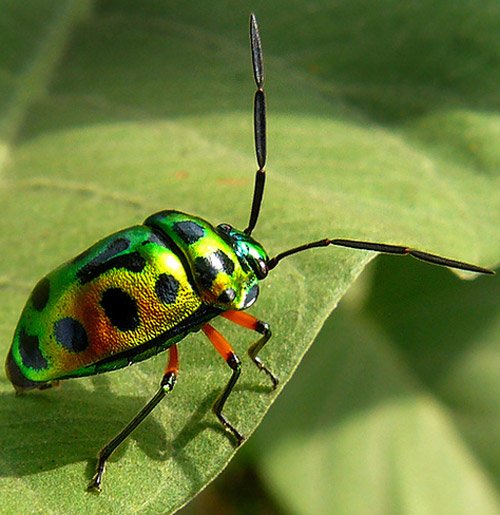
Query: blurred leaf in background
point(383, 125)
point(399, 411)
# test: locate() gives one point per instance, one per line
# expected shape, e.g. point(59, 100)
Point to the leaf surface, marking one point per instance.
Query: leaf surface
point(398, 403)
point(150, 108)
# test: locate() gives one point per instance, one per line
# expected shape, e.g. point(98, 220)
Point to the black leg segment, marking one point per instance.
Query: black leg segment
point(250, 322)
point(224, 348)
point(235, 364)
point(167, 384)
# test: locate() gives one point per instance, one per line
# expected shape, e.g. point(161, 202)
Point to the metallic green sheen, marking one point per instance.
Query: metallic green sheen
point(212, 269)
point(219, 261)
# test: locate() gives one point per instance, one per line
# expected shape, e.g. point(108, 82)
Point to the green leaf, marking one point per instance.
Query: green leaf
point(150, 108)
point(33, 36)
point(398, 400)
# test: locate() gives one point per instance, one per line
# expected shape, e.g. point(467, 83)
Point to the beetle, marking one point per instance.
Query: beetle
point(141, 290)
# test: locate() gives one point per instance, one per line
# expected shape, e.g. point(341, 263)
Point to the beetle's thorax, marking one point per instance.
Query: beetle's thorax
point(225, 264)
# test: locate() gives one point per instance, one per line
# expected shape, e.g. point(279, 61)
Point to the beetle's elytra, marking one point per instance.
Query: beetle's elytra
point(143, 289)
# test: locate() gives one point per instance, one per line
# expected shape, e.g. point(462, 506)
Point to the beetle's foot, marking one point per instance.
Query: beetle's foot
point(239, 438)
point(95, 485)
point(275, 380)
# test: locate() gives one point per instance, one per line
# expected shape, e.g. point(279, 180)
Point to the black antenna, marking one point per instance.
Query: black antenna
point(384, 248)
point(260, 179)
point(259, 123)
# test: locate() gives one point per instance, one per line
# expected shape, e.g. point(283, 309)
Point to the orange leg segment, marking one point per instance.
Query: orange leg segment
point(224, 348)
point(173, 361)
point(254, 324)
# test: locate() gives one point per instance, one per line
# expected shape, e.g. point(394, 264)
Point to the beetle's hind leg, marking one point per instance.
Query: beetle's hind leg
point(250, 322)
point(167, 384)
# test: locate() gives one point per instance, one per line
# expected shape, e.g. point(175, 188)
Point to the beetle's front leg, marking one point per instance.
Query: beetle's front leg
point(250, 322)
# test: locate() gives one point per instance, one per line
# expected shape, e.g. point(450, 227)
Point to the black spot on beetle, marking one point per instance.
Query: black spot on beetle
point(113, 248)
point(119, 245)
point(166, 288)
point(227, 296)
point(16, 376)
point(226, 262)
point(205, 271)
point(29, 347)
point(251, 296)
point(189, 232)
point(71, 334)
point(120, 308)
point(132, 262)
point(40, 294)
point(153, 239)
point(207, 268)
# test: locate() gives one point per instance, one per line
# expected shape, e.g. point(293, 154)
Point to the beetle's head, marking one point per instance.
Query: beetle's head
point(250, 253)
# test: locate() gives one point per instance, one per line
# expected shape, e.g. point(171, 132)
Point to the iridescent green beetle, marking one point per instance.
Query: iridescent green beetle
point(142, 290)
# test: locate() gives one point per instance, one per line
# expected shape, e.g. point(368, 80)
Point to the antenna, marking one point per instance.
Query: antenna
point(384, 248)
point(259, 117)
point(259, 123)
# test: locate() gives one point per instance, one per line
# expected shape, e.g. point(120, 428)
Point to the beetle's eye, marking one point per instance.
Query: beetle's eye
point(225, 228)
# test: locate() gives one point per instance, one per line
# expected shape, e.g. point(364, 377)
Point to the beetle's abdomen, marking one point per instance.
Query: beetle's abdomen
point(124, 293)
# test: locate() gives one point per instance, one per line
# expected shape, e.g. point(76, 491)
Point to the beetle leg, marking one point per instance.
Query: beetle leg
point(167, 384)
point(224, 348)
point(250, 322)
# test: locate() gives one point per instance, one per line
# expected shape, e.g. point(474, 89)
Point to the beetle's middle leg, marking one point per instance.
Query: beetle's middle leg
point(224, 348)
